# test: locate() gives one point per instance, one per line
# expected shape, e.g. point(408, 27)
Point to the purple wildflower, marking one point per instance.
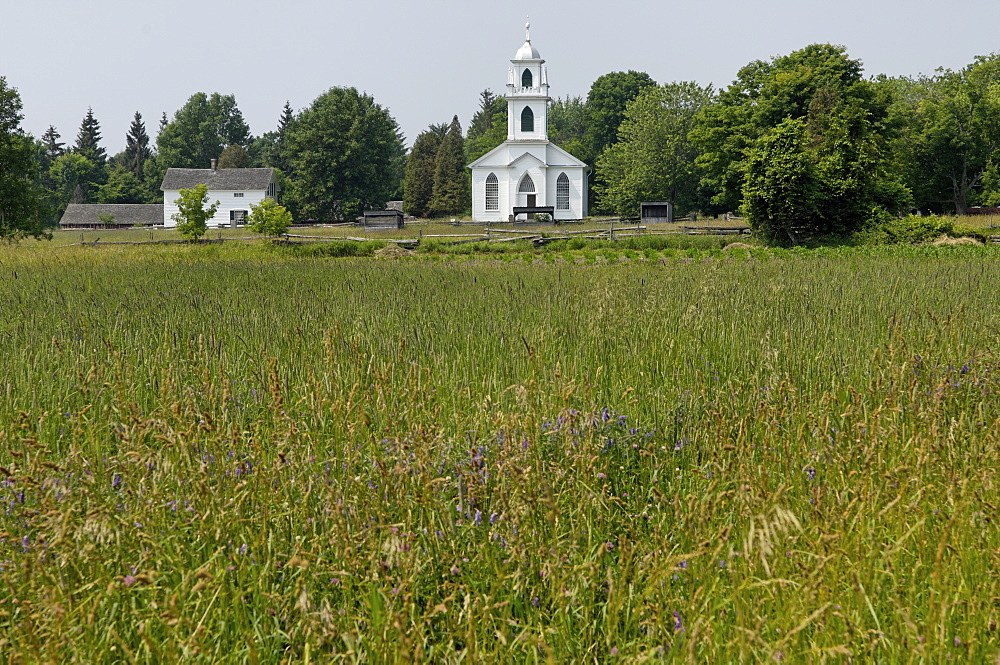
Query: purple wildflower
point(479, 517)
point(129, 580)
point(678, 624)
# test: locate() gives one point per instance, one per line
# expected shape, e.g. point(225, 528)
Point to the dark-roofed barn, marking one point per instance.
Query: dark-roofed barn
point(122, 215)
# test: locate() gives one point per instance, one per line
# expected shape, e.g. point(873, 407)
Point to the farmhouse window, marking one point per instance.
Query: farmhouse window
point(238, 195)
point(527, 120)
point(492, 192)
point(562, 192)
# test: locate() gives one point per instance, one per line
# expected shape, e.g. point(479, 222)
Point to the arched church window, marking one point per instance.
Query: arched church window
point(527, 185)
point(526, 79)
point(527, 120)
point(492, 192)
point(562, 192)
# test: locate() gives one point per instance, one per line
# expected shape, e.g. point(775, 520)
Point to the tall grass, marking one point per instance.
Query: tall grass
point(235, 454)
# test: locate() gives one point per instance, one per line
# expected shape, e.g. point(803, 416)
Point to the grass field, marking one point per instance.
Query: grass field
point(230, 453)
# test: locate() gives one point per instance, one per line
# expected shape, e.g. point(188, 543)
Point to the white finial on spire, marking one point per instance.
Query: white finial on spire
point(527, 28)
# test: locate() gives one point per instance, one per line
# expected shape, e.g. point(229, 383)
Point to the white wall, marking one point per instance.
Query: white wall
point(227, 201)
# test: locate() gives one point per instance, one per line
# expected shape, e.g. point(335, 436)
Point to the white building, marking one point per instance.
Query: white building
point(527, 170)
point(235, 190)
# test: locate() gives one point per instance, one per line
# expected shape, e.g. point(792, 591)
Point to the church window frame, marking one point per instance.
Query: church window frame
point(562, 192)
point(492, 188)
point(527, 79)
point(527, 120)
point(527, 185)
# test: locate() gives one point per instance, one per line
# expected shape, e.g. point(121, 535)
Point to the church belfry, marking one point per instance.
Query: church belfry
point(527, 174)
point(527, 94)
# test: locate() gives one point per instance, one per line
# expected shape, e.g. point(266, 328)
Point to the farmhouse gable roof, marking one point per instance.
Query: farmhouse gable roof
point(218, 179)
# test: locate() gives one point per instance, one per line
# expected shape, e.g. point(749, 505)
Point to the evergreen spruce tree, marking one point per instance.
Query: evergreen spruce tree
point(418, 179)
point(53, 146)
point(137, 149)
point(279, 158)
point(88, 140)
point(450, 191)
point(163, 123)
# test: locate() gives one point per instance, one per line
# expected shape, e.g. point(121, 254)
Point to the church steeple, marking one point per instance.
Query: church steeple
point(527, 94)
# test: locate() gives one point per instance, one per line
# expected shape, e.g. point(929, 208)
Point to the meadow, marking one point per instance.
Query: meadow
point(229, 453)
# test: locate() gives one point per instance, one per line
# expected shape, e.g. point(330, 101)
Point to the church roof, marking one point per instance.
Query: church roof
point(509, 152)
point(527, 52)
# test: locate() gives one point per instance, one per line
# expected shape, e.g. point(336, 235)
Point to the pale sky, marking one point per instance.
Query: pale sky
point(426, 61)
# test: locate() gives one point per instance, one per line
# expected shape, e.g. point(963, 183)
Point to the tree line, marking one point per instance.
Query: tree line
point(804, 140)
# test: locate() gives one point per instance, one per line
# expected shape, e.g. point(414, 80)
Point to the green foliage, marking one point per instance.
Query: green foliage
point(123, 186)
point(450, 193)
point(568, 125)
point(910, 230)
point(106, 219)
point(346, 154)
point(488, 128)
point(269, 218)
point(75, 179)
point(955, 135)
point(490, 107)
point(234, 157)
point(199, 131)
point(53, 146)
point(653, 159)
point(88, 140)
point(137, 149)
point(21, 209)
point(194, 212)
point(418, 183)
point(607, 99)
point(801, 142)
point(339, 249)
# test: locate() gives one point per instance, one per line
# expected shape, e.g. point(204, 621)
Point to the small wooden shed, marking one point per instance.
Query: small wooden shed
point(656, 212)
point(383, 219)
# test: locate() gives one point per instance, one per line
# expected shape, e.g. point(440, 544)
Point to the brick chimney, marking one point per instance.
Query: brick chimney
point(214, 163)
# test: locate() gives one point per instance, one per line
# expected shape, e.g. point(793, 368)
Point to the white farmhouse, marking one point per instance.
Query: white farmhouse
point(527, 170)
point(234, 189)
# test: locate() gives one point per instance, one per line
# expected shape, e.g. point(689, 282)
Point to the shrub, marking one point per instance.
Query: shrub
point(909, 230)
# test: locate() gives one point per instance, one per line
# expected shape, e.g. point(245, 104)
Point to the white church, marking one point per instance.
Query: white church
point(527, 173)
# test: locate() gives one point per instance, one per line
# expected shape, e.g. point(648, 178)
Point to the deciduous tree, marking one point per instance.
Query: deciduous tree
point(21, 210)
point(269, 218)
point(345, 153)
point(653, 158)
point(831, 171)
point(193, 212)
point(234, 157)
point(958, 133)
point(200, 130)
point(606, 102)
